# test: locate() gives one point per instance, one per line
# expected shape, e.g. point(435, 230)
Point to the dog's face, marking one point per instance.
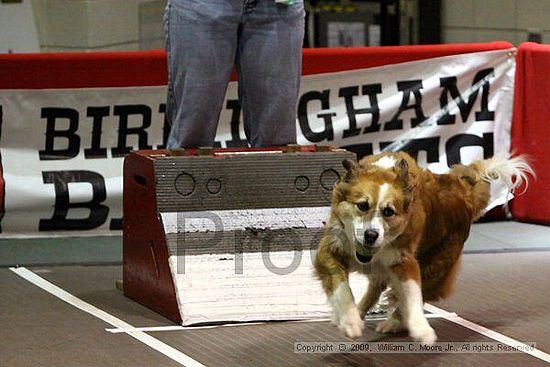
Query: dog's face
point(372, 202)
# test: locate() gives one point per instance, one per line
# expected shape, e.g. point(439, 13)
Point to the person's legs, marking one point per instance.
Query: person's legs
point(269, 64)
point(201, 42)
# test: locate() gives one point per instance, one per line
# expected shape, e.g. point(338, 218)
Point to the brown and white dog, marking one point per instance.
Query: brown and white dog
point(409, 225)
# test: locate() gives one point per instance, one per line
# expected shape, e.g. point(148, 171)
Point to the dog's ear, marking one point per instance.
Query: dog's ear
point(403, 171)
point(407, 178)
point(348, 164)
point(350, 167)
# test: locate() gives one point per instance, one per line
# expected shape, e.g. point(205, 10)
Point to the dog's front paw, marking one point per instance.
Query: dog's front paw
point(390, 325)
point(423, 334)
point(351, 323)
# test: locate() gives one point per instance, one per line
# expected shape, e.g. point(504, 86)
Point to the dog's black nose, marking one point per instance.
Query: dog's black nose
point(370, 236)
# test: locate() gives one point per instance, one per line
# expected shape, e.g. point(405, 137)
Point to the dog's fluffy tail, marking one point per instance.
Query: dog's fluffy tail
point(508, 172)
point(512, 171)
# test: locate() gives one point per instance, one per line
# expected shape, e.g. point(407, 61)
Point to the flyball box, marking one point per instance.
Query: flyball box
point(221, 235)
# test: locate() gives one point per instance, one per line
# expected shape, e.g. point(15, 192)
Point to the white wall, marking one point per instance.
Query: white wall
point(80, 25)
point(17, 28)
point(92, 25)
point(492, 20)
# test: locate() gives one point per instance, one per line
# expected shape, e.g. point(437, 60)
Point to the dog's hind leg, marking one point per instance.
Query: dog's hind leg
point(370, 298)
point(393, 324)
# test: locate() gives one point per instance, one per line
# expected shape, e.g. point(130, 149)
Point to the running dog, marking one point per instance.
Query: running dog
point(404, 227)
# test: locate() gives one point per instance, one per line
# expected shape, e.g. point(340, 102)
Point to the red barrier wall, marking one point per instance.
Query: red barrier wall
point(530, 129)
point(146, 68)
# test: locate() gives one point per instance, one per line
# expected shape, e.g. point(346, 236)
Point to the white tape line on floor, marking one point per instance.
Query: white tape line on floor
point(179, 328)
point(488, 332)
point(148, 340)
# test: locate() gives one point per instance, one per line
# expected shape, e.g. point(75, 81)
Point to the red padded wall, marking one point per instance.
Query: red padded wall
point(531, 128)
point(145, 68)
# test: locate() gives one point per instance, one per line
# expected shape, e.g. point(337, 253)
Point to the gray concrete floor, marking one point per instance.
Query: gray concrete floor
point(503, 286)
point(507, 236)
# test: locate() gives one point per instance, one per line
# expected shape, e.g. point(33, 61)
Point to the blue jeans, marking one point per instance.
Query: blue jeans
point(204, 39)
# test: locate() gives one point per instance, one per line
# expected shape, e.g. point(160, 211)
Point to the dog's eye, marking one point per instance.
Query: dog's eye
point(363, 206)
point(388, 212)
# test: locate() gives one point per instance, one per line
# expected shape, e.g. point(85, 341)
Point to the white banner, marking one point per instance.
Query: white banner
point(62, 150)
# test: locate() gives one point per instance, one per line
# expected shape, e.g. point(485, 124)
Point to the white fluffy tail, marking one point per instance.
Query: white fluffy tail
point(511, 171)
